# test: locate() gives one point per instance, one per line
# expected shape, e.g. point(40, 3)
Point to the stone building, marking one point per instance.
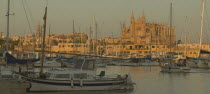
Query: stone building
point(142, 32)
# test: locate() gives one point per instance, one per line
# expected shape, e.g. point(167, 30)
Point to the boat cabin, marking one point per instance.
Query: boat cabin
point(84, 69)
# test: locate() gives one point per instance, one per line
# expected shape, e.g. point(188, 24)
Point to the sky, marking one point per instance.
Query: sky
point(108, 15)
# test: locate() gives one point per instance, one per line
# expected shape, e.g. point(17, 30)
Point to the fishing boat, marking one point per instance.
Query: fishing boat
point(82, 77)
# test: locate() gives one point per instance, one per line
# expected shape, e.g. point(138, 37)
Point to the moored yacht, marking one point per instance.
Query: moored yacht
point(82, 77)
point(175, 67)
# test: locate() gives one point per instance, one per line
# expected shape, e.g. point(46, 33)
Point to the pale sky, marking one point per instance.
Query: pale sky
point(108, 13)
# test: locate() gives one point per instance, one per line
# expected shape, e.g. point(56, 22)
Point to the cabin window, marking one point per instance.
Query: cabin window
point(62, 76)
point(80, 76)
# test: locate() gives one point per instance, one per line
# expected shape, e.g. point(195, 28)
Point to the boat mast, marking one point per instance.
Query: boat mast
point(49, 42)
point(43, 42)
point(94, 36)
point(90, 39)
point(7, 38)
point(73, 38)
point(150, 45)
point(170, 32)
point(185, 34)
point(202, 20)
point(96, 30)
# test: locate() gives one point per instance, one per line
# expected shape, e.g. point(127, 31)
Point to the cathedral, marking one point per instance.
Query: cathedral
point(142, 32)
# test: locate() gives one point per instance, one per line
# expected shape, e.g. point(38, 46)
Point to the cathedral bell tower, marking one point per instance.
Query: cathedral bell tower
point(143, 18)
point(132, 20)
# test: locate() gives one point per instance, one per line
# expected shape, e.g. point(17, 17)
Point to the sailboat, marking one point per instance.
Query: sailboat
point(11, 83)
point(202, 61)
point(171, 65)
point(82, 77)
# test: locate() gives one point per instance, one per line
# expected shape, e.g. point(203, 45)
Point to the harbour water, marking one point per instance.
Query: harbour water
point(149, 80)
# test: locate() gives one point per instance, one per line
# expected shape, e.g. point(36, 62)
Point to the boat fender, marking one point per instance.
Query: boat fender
point(81, 82)
point(72, 83)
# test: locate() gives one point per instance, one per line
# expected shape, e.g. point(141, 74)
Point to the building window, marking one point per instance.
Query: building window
point(130, 47)
point(153, 46)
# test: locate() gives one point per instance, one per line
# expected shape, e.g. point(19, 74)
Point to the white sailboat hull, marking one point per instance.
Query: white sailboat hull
point(45, 87)
point(78, 85)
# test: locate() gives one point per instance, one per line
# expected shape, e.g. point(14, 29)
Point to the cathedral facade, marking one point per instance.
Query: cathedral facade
point(142, 32)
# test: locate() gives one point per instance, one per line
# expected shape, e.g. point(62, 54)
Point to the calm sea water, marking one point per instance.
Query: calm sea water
point(149, 80)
